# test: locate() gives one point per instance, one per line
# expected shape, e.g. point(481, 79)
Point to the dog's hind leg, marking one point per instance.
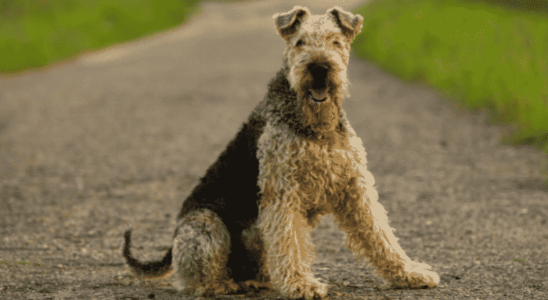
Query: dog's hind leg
point(201, 245)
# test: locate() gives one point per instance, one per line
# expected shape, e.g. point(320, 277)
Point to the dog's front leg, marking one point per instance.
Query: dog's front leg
point(371, 237)
point(289, 251)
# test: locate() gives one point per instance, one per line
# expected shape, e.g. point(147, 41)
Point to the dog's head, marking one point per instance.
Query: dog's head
point(316, 59)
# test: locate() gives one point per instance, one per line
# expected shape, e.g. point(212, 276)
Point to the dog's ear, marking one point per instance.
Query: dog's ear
point(288, 23)
point(349, 23)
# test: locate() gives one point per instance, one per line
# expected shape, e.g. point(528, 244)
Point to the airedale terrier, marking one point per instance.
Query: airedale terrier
point(246, 225)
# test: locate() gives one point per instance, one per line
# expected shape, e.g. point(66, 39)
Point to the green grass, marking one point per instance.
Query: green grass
point(481, 56)
point(35, 33)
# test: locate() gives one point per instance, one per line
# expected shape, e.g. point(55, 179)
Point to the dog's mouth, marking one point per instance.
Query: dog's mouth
point(318, 96)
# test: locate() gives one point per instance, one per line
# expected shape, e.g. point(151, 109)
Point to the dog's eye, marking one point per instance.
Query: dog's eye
point(336, 43)
point(300, 43)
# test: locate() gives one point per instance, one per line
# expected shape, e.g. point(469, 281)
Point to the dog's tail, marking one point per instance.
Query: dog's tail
point(150, 269)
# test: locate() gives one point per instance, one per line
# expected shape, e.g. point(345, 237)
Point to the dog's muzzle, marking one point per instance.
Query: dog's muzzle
point(318, 96)
point(318, 91)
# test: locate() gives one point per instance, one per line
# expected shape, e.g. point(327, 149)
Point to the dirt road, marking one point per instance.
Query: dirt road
point(118, 138)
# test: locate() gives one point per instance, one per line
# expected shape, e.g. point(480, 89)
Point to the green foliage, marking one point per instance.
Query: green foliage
point(525, 5)
point(34, 33)
point(479, 55)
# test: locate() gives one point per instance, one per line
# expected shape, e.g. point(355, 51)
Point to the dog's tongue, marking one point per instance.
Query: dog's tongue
point(319, 95)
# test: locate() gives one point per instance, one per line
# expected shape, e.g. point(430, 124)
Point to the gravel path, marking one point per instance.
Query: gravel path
point(117, 139)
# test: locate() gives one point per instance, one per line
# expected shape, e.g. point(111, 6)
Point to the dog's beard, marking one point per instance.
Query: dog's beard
point(320, 117)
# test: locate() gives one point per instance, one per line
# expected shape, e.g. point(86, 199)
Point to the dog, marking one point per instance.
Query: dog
point(246, 225)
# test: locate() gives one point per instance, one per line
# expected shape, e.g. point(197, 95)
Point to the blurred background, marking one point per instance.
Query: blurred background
point(483, 54)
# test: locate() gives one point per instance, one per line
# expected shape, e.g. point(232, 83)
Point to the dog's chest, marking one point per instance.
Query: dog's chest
point(313, 171)
point(320, 164)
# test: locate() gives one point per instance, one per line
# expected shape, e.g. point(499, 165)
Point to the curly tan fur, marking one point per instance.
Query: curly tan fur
point(246, 226)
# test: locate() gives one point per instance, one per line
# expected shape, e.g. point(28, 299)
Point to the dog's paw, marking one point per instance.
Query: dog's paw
point(224, 287)
point(419, 276)
point(310, 289)
point(254, 286)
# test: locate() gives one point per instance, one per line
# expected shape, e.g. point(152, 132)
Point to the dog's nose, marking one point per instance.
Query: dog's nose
point(319, 75)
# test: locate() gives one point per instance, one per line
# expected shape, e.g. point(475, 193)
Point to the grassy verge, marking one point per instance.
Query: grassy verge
point(35, 33)
point(482, 56)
